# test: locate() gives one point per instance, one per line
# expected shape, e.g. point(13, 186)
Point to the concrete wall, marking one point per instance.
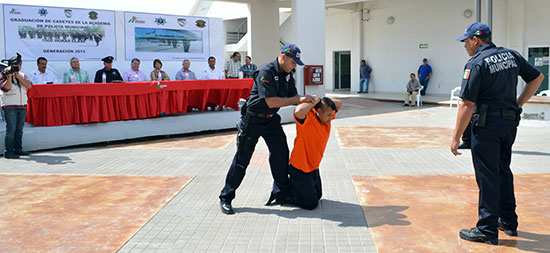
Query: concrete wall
point(339, 24)
point(393, 50)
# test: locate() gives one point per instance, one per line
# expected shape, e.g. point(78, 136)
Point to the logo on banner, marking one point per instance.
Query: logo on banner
point(137, 20)
point(43, 12)
point(14, 12)
point(68, 13)
point(160, 21)
point(182, 21)
point(92, 15)
point(200, 23)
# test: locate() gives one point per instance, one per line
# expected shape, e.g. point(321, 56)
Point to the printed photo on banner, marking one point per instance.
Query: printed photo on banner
point(59, 33)
point(168, 37)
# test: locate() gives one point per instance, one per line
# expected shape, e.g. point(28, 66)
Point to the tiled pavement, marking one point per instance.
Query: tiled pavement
point(192, 221)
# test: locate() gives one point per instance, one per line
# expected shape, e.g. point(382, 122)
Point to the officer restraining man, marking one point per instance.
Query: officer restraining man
point(274, 87)
point(489, 93)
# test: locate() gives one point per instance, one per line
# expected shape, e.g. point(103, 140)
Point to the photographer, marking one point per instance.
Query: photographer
point(14, 85)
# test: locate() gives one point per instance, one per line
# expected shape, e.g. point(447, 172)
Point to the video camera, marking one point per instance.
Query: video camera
point(8, 66)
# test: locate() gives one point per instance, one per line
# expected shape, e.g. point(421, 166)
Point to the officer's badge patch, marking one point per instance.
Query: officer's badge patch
point(466, 74)
point(276, 78)
point(262, 79)
point(92, 15)
point(288, 77)
point(200, 23)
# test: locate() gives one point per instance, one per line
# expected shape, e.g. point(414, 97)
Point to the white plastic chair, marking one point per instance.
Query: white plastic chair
point(418, 97)
point(544, 93)
point(455, 98)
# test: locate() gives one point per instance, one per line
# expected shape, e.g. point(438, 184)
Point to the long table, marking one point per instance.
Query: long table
point(65, 104)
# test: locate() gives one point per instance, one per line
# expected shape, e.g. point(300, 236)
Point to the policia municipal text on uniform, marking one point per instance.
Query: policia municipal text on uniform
point(274, 87)
point(489, 93)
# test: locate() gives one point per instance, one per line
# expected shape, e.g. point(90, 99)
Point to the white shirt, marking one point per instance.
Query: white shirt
point(209, 73)
point(37, 77)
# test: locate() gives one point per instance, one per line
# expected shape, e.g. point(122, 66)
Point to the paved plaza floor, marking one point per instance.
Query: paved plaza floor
point(390, 183)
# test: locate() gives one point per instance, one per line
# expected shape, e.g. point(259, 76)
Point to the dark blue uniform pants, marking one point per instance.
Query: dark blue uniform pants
point(424, 83)
point(306, 187)
point(492, 153)
point(271, 131)
point(467, 135)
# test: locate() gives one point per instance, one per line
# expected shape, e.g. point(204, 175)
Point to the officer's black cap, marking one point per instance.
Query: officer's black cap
point(108, 59)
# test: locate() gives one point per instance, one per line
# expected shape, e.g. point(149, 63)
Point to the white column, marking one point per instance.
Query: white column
point(308, 20)
point(263, 29)
point(515, 36)
point(356, 52)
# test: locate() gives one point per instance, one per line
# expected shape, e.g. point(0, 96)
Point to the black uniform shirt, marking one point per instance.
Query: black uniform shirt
point(270, 81)
point(491, 76)
point(111, 74)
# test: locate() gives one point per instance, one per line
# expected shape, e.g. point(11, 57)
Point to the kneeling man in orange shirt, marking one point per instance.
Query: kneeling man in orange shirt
point(312, 133)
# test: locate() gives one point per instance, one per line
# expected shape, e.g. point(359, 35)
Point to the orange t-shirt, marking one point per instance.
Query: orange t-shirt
point(310, 143)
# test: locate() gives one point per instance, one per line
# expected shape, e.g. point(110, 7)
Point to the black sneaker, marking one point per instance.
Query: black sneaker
point(10, 156)
point(474, 235)
point(506, 230)
point(21, 152)
point(405, 105)
point(464, 145)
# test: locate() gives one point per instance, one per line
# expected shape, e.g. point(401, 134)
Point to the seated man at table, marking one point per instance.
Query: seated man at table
point(75, 74)
point(134, 74)
point(312, 132)
point(41, 75)
point(211, 72)
point(108, 74)
point(184, 73)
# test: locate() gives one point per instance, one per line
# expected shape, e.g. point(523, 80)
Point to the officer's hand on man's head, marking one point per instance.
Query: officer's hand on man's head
point(316, 99)
point(306, 99)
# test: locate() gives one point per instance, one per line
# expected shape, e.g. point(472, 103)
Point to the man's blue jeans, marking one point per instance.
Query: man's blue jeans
point(424, 84)
point(15, 120)
point(361, 82)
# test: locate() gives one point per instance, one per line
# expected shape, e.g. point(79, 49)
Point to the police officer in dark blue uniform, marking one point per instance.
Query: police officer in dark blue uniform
point(489, 93)
point(274, 87)
point(111, 74)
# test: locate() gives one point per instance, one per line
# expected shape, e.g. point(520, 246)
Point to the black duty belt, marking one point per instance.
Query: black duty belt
point(505, 114)
point(259, 115)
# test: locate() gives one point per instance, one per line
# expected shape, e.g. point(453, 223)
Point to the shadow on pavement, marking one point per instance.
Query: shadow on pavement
point(48, 159)
point(534, 243)
point(347, 214)
point(519, 152)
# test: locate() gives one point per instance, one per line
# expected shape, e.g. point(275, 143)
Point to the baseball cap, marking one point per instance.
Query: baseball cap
point(292, 51)
point(425, 59)
point(108, 59)
point(476, 29)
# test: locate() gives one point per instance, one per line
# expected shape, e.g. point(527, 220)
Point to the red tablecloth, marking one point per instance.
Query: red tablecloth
point(65, 104)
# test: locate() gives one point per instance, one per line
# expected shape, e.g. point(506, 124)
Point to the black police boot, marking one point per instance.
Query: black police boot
point(270, 200)
point(21, 152)
point(464, 145)
point(474, 235)
point(226, 208)
point(508, 231)
point(10, 155)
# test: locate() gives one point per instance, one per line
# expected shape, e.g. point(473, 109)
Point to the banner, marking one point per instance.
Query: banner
point(167, 37)
point(58, 33)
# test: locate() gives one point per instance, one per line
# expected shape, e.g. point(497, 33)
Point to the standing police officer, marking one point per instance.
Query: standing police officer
point(489, 93)
point(274, 87)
